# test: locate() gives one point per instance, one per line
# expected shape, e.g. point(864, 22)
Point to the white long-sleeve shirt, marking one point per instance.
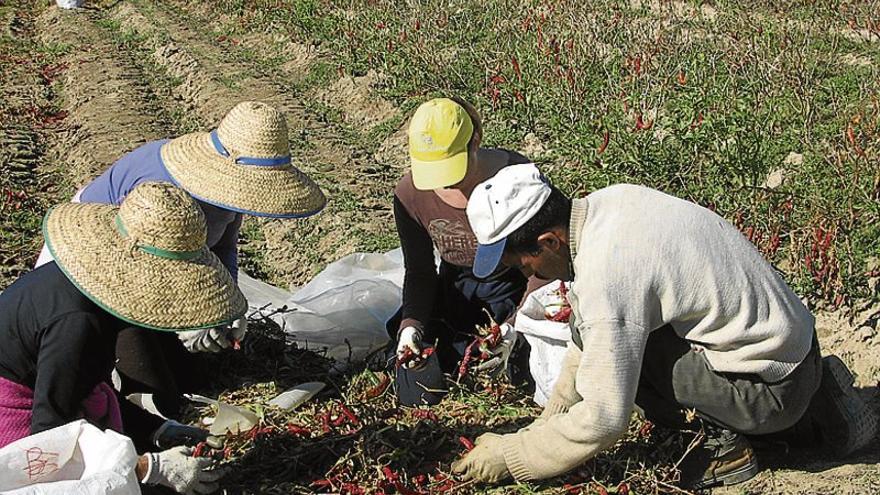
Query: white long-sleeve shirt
point(642, 260)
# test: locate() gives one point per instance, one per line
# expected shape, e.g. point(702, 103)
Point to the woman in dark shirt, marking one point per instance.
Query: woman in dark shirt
point(143, 264)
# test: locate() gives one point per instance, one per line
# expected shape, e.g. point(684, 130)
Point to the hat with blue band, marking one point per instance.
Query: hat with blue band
point(244, 165)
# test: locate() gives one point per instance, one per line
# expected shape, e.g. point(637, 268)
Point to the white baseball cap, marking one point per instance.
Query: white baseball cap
point(501, 205)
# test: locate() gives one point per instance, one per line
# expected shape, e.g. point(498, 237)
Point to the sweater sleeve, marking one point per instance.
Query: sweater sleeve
point(74, 356)
point(420, 278)
point(607, 379)
point(227, 247)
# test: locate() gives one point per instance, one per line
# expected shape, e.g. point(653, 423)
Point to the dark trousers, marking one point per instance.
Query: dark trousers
point(155, 362)
point(458, 310)
point(676, 377)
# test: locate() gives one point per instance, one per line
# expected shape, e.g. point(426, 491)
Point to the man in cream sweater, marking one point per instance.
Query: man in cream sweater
point(673, 310)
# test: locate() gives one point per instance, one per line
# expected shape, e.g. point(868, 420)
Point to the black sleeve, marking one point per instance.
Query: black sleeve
point(516, 158)
point(139, 425)
point(420, 278)
point(74, 356)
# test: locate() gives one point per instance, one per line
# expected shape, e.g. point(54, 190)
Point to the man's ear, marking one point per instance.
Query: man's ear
point(550, 240)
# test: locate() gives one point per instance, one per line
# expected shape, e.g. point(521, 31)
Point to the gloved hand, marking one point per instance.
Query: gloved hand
point(410, 338)
point(238, 329)
point(178, 470)
point(206, 340)
point(485, 463)
point(172, 434)
point(501, 353)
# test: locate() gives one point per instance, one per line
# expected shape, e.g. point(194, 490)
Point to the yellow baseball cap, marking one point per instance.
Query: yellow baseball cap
point(439, 133)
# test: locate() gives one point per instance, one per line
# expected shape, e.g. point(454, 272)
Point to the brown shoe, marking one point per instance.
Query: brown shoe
point(724, 458)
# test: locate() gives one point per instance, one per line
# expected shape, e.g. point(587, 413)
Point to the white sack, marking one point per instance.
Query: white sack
point(343, 309)
point(548, 339)
point(76, 458)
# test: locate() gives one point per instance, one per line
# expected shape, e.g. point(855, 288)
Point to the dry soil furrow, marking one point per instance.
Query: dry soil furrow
point(359, 106)
point(26, 113)
point(209, 84)
point(326, 142)
point(107, 100)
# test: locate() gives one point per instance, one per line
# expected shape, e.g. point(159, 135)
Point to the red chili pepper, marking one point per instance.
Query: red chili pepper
point(637, 65)
point(199, 450)
point(346, 412)
point(468, 444)
point(641, 124)
point(682, 79)
point(645, 430)
point(623, 488)
point(600, 490)
point(298, 430)
point(466, 359)
point(378, 389)
point(605, 138)
point(425, 414)
point(420, 479)
point(445, 485)
point(851, 136)
point(389, 474)
point(494, 336)
point(563, 315)
point(407, 356)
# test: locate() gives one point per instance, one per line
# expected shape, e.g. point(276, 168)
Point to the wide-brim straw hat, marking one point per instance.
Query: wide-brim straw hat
point(145, 261)
point(244, 165)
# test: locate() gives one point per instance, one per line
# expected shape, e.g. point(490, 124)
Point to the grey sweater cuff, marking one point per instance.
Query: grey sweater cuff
point(516, 464)
point(554, 406)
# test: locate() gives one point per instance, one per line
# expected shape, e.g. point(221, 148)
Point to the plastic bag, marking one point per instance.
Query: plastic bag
point(343, 309)
point(70, 4)
point(230, 418)
point(548, 339)
point(76, 458)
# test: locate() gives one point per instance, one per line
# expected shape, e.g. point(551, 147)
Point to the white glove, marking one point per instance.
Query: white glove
point(501, 353)
point(238, 329)
point(178, 470)
point(410, 338)
point(205, 340)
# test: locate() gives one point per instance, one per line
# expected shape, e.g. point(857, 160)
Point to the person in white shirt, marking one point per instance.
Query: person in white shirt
point(672, 310)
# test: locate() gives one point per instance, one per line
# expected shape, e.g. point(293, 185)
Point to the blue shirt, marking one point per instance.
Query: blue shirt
point(144, 164)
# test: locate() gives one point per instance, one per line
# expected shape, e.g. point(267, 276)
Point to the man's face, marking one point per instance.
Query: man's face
point(550, 262)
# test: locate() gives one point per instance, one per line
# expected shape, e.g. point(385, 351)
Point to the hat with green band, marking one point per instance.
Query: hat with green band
point(146, 261)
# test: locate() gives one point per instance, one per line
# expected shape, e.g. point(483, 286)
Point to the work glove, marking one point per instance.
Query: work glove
point(172, 434)
point(410, 338)
point(501, 353)
point(238, 329)
point(177, 469)
point(206, 340)
point(485, 463)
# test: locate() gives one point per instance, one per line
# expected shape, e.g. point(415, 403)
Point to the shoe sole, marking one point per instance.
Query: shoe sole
point(860, 420)
point(737, 476)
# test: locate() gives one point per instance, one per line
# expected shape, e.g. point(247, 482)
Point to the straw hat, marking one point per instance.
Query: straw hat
point(145, 261)
point(244, 165)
